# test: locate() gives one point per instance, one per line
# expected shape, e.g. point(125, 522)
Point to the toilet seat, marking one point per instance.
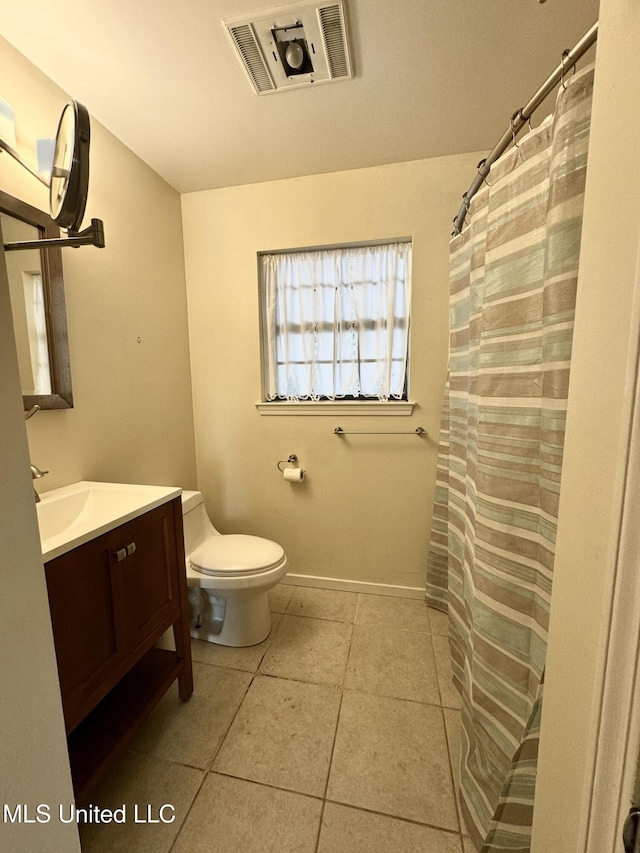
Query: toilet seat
point(233, 554)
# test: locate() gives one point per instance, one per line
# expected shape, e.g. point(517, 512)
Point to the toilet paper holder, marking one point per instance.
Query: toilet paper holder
point(292, 458)
point(291, 471)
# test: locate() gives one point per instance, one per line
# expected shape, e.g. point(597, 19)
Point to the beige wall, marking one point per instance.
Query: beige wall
point(126, 310)
point(34, 762)
point(596, 442)
point(132, 420)
point(363, 512)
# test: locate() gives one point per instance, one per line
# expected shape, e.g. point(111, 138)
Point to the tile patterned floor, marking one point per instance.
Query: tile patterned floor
point(337, 734)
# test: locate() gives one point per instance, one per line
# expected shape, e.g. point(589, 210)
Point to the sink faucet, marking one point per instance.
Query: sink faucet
point(36, 474)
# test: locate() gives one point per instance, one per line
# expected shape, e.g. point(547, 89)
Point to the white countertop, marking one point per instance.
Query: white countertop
point(75, 514)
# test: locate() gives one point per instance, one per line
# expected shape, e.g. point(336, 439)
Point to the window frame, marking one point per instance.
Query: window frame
point(349, 405)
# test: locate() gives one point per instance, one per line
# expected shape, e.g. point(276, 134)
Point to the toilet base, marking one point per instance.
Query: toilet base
point(240, 619)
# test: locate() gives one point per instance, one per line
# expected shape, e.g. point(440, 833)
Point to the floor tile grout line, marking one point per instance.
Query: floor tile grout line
point(272, 786)
point(431, 704)
point(253, 674)
point(451, 772)
point(233, 719)
point(354, 620)
point(335, 734)
point(355, 615)
point(168, 760)
point(208, 769)
point(446, 735)
point(318, 618)
point(317, 797)
point(182, 825)
point(270, 637)
point(434, 704)
point(410, 820)
point(325, 799)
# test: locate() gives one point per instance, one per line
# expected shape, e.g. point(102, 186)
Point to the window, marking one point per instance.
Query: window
point(336, 323)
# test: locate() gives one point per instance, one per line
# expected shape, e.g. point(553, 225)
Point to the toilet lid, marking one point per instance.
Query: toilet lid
point(236, 553)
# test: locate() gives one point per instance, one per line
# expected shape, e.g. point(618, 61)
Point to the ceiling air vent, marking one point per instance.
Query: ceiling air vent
point(292, 46)
point(247, 46)
point(334, 37)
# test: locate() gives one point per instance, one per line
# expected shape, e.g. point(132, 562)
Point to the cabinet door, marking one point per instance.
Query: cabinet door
point(147, 575)
point(87, 637)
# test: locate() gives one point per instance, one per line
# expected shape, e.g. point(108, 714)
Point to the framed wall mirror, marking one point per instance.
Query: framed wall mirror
point(38, 307)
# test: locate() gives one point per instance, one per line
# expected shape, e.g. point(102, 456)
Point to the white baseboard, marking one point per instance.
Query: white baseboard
point(355, 586)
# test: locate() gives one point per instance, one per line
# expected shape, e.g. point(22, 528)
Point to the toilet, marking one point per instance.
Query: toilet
point(229, 577)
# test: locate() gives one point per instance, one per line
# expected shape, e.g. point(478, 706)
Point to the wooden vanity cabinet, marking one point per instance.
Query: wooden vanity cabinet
point(110, 600)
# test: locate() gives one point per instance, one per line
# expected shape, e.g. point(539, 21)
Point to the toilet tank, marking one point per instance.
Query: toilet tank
point(197, 525)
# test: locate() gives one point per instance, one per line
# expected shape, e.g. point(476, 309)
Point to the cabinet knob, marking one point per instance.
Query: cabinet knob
point(131, 547)
point(121, 554)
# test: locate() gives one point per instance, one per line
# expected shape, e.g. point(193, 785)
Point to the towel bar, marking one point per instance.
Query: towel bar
point(416, 431)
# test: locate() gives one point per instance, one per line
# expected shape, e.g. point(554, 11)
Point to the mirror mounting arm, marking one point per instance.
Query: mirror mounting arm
point(92, 236)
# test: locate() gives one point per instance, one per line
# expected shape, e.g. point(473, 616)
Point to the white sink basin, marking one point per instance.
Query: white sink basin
point(74, 514)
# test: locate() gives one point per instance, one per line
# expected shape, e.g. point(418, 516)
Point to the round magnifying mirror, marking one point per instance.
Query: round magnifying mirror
point(70, 172)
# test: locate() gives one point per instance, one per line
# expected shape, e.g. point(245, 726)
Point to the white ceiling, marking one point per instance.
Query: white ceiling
point(432, 77)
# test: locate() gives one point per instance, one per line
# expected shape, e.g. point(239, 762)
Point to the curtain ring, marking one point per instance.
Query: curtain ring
point(513, 130)
point(524, 118)
point(565, 54)
point(466, 203)
point(484, 177)
point(467, 206)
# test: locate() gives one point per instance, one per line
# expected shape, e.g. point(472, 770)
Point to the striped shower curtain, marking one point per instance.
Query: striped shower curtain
point(513, 288)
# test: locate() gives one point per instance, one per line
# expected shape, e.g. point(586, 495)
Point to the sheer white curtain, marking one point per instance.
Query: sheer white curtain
point(37, 328)
point(337, 322)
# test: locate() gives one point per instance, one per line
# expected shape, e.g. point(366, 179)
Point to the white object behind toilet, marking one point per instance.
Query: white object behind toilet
point(229, 577)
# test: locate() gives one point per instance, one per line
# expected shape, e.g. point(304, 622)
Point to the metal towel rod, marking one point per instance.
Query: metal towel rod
point(416, 431)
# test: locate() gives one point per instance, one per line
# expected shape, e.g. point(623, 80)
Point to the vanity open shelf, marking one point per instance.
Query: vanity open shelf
point(109, 727)
point(111, 597)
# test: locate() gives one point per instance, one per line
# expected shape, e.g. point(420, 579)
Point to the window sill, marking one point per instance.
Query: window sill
point(339, 407)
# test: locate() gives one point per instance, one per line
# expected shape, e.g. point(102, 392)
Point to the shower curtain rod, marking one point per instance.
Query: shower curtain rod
point(521, 117)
